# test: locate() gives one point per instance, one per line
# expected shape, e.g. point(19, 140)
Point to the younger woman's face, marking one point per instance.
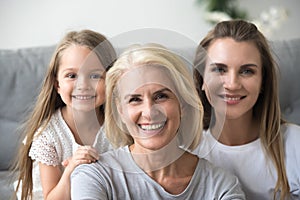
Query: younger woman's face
point(233, 77)
point(80, 79)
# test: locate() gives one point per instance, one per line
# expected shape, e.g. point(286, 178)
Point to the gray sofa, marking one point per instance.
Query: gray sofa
point(23, 70)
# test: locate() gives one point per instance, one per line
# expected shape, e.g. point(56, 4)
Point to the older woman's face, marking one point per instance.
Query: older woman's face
point(149, 108)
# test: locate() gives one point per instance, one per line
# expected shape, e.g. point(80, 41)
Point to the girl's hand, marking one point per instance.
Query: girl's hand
point(83, 155)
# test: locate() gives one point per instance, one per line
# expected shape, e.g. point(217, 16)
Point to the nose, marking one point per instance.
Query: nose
point(83, 83)
point(231, 81)
point(149, 109)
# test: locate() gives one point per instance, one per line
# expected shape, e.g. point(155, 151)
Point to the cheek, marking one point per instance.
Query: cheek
point(211, 89)
point(254, 85)
point(173, 114)
point(100, 90)
point(212, 82)
point(129, 114)
point(64, 86)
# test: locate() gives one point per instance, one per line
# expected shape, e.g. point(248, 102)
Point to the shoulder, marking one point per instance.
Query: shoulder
point(110, 165)
point(291, 139)
point(214, 171)
point(52, 141)
point(119, 159)
point(291, 133)
point(218, 181)
point(56, 130)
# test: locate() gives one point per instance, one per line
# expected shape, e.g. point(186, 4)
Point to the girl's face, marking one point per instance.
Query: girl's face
point(233, 77)
point(80, 79)
point(150, 111)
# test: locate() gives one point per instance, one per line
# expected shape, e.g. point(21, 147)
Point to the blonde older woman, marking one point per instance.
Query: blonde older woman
point(152, 114)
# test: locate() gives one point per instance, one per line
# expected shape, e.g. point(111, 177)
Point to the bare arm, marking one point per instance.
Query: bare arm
point(55, 183)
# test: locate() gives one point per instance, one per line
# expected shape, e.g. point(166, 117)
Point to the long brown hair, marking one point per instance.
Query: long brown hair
point(267, 107)
point(49, 100)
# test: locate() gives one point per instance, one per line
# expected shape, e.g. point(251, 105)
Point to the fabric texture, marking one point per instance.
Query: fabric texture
point(116, 176)
point(248, 162)
point(55, 144)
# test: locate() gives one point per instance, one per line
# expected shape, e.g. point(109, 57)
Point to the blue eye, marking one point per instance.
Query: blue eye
point(95, 76)
point(219, 70)
point(247, 72)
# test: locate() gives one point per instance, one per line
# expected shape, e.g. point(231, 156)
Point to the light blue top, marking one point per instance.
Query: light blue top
point(116, 176)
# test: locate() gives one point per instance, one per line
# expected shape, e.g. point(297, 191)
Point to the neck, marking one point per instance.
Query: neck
point(178, 168)
point(84, 125)
point(176, 176)
point(237, 131)
point(152, 160)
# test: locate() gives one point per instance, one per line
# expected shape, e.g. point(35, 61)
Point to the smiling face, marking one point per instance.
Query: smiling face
point(149, 109)
point(233, 77)
point(80, 79)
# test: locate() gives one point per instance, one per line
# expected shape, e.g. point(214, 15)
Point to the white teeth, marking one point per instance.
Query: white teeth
point(152, 127)
point(232, 98)
point(83, 97)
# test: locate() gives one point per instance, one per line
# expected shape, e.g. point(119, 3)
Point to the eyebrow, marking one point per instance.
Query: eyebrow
point(223, 65)
point(156, 92)
point(78, 69)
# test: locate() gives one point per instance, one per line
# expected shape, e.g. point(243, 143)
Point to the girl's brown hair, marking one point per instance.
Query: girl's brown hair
point(267, 107)
point(49, 100)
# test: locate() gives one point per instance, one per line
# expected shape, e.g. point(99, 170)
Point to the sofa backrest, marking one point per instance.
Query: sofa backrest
point(22, 72)
point(287, 55)
point(21, 75)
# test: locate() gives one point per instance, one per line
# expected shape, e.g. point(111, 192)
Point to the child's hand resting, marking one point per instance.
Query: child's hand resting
point(83, 155)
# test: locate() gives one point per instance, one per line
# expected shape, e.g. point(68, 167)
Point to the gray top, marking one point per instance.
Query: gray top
point(116, 176)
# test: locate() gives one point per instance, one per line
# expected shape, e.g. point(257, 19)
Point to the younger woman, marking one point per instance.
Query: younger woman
point(65, 127)
point(245, 133)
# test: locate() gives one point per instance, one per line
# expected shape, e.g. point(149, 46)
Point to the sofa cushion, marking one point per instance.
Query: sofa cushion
point(287, 55)
point(21, 75)
point(6, 186)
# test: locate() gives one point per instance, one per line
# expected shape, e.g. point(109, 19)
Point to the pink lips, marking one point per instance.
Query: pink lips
point(232, 99)
point(151, 129)
point(83, 97)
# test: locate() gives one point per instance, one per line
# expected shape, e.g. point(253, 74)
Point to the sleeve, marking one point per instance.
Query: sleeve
point(86, 184)
point(43, 149)
point(224, 184)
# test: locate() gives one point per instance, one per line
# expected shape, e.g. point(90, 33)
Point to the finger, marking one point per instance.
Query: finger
point(65, 163)
point(91, 151)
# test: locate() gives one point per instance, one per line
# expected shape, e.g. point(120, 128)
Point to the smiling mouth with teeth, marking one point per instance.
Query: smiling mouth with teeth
point(231, 98)
point(152, 127)
point(79, 97)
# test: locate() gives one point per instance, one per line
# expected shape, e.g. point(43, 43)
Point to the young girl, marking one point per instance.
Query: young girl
point(244, 129)
point(65, 127)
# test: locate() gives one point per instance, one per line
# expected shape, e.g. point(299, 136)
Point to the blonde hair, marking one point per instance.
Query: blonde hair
point(267, 107)
point(49, 100)
point(153, 55)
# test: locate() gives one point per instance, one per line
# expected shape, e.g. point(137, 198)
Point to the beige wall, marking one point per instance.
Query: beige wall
point(43, 22)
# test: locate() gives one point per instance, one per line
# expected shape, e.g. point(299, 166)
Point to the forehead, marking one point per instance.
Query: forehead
point(140, 76)
point(229, 50)
point(76, 56)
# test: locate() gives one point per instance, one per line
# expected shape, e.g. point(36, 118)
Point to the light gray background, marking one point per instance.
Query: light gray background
point(34, 22)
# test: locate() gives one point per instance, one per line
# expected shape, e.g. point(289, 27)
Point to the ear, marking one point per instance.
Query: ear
point(56, 86)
